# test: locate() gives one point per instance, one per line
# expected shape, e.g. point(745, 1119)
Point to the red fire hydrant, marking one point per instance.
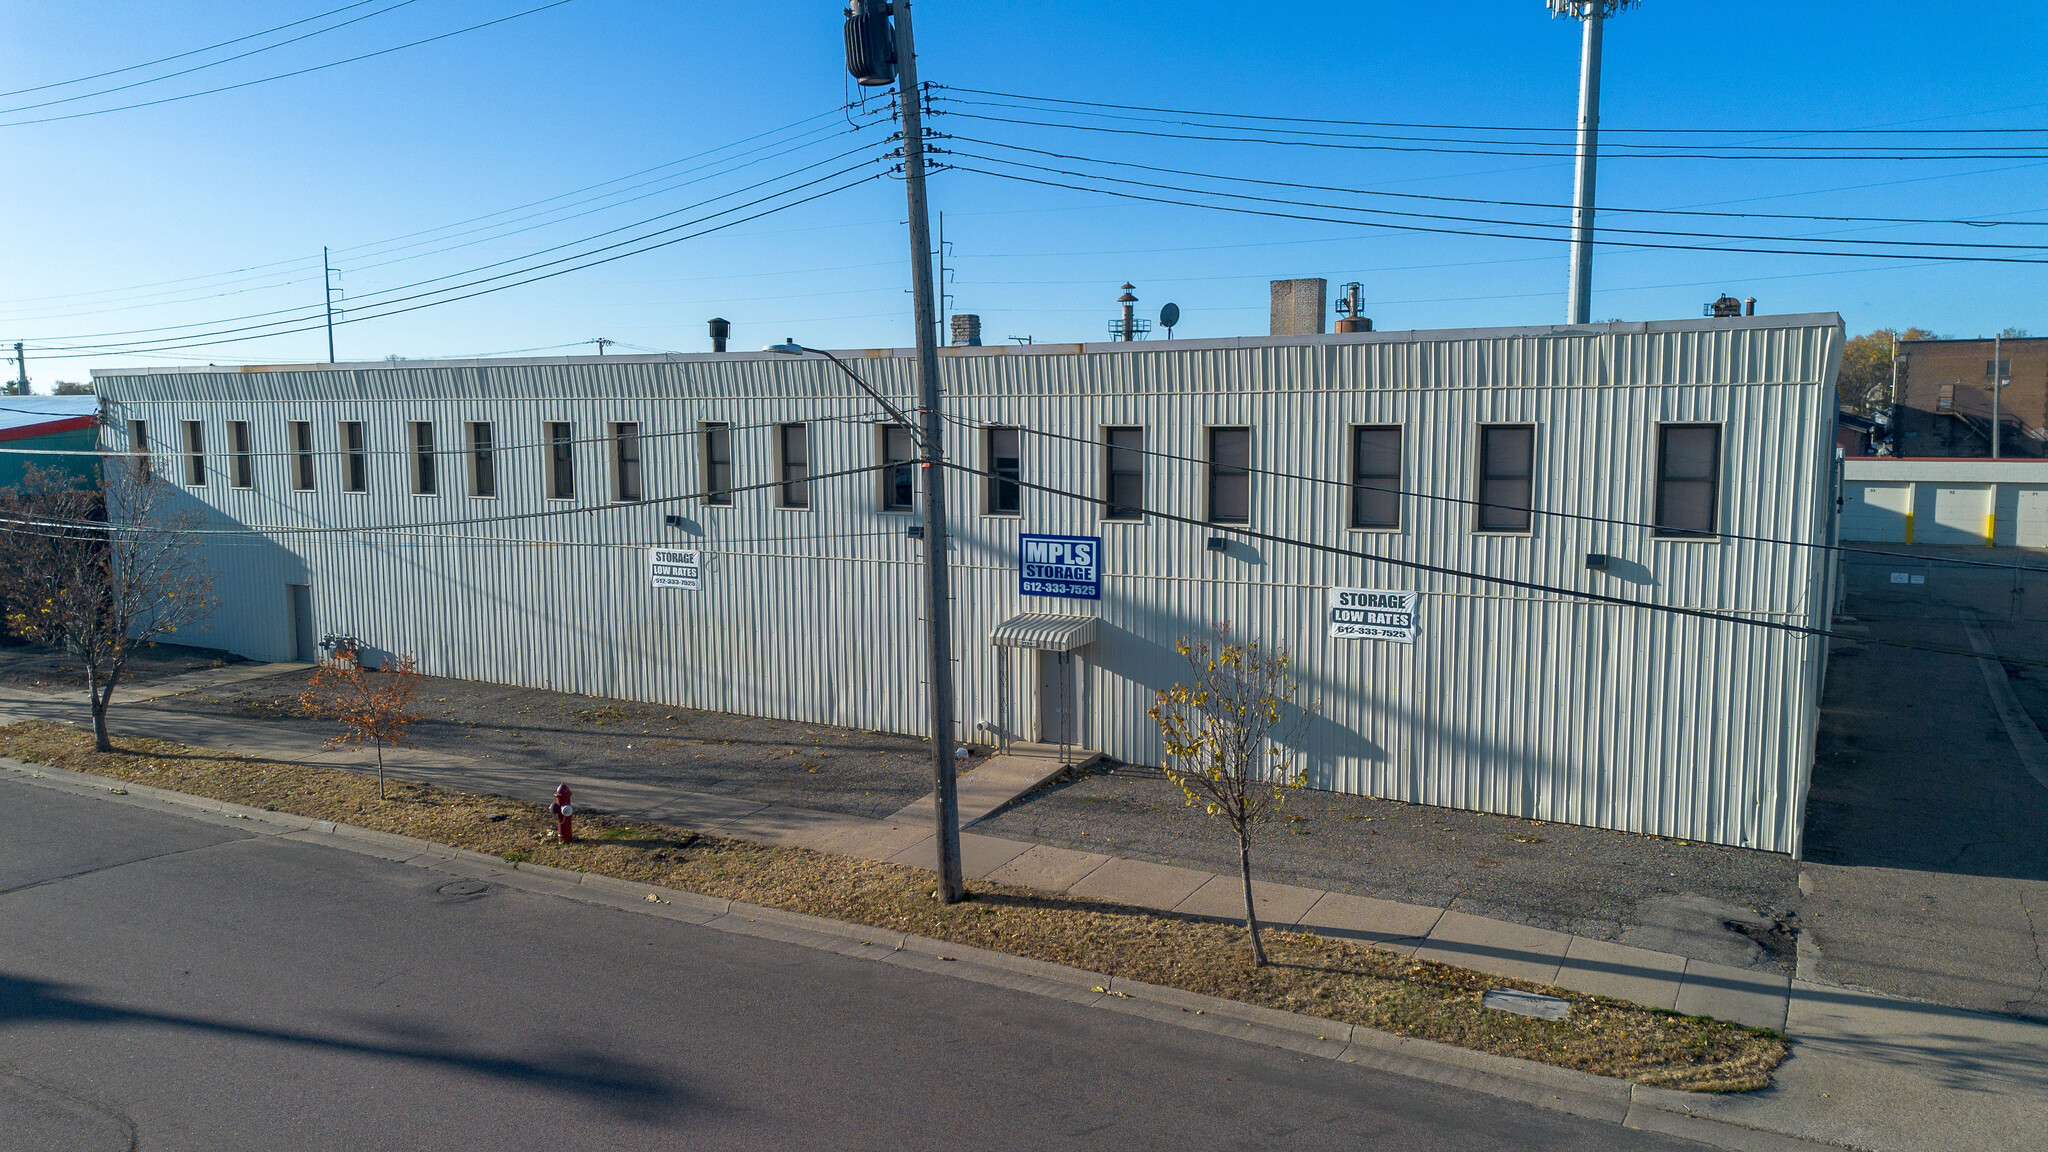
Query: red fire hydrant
point(563, 811)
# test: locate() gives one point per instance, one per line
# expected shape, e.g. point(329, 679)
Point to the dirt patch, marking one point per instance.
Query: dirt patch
point(845, 770)
point(1592, 882)
point(35, 667)
point(1332, 979)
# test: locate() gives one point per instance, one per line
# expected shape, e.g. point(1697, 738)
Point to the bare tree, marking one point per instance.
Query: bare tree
point(1225, 732)
point(96, 571)
point(374, 707)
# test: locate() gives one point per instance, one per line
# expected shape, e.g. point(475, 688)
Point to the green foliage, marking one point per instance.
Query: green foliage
point(1866, 380)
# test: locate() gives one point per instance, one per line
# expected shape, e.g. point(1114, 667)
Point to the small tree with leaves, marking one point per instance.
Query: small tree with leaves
point(1225, 731)
point(374, 708)
point(97, 570)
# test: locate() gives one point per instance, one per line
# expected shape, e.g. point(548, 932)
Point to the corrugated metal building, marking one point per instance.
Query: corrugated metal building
point(528, 561)
point(41, 431)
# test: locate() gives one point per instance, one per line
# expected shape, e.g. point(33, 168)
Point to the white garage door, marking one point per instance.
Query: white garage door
point(2030, 526)
point(1960, 514)
point(1875, 511)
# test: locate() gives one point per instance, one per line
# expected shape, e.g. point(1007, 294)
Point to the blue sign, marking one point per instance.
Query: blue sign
point(1065, 566)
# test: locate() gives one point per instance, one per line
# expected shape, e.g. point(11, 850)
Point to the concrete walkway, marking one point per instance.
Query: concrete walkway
point(1002, 778)
point(1867, 1070)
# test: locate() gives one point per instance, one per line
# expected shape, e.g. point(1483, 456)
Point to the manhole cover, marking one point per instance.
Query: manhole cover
point(463, 890)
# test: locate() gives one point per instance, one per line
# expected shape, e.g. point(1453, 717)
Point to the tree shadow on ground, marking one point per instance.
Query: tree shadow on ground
point(626, 1088)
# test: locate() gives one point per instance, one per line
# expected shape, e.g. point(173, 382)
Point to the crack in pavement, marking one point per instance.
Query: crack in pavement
point(125, 863)
point(2040, 967)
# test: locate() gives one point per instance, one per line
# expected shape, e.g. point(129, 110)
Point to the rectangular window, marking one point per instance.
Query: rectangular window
point(717, 449)
point(1230, 475)
point(138, 446)
point(2001, 368)
point(355, 459)
point(1688, 479)
point(899, 482)
point(1006, 469)
point(302, 456)
point(1124, 464)
point(626, 463)
point(561, 461)
point(1376, 477)
point(195, 454)
point(242, 461)
point(795, 449)
point(1507, 477)
point(424, 480)
point(483, 463)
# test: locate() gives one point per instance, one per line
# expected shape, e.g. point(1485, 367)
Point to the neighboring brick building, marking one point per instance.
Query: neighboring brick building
point(1944, 401)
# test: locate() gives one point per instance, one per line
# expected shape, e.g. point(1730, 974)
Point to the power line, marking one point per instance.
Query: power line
point(284, 75)
point(359, 315)
point(1439, 150)
point(441, 227)
point(308, 310)
point(192, 52)
point(1440, 230)
point(203, 67)
point(1483, 219)
point(1506, 203)
point(1510, 581)
point(1586, 518)
point(91, 528)
point(1480, 127)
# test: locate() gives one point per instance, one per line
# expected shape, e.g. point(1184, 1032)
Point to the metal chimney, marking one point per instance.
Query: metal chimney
point(720, 330)
point(1351, 315)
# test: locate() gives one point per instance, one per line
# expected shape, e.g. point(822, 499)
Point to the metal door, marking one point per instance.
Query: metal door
point(1058, 722)
point(301, 596)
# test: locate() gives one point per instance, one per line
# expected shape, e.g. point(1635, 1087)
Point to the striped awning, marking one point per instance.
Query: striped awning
point(1045, 631)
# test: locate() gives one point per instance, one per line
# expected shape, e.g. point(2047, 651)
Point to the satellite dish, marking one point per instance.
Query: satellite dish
point(1168, 317)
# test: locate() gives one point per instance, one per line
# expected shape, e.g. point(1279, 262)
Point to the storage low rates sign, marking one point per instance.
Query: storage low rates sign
point(1370, 614)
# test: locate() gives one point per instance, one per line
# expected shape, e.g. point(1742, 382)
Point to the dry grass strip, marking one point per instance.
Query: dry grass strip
point(1336, 980)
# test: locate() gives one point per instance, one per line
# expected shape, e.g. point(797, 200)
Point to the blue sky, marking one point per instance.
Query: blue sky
point(103, 210)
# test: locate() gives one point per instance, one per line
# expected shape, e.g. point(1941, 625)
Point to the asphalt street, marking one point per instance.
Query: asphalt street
point(167, 983)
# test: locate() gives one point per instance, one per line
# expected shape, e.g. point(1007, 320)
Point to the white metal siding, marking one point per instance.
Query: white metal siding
point(1515, 702)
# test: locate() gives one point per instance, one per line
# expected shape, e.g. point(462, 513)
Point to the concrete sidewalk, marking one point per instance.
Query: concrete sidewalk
point(1867, 1070)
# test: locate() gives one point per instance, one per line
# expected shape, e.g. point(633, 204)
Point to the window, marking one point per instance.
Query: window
point(302, 456)
point(561, 461)
point(795, 445)
point(424, 481)
point(1376, 477)
point(1126, 467)
point(899, 483)
point(483, 465)
point(355, 459)
point(1230, 475)
point(717, 449)
point(626, 463)
point(1688, 477)
point(2001, 368)
point(1005, 470)
point(138, 446)
point(1507, 476)
point(242, 460)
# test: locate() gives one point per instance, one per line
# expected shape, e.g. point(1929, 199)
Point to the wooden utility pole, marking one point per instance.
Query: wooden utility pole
point(327, 290)
point(938, 605)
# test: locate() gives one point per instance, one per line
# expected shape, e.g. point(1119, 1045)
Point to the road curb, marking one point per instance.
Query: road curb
point(1545, 1086)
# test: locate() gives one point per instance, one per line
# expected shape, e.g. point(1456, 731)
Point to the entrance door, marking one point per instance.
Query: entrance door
point(1058, 689)
point(302, 622)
